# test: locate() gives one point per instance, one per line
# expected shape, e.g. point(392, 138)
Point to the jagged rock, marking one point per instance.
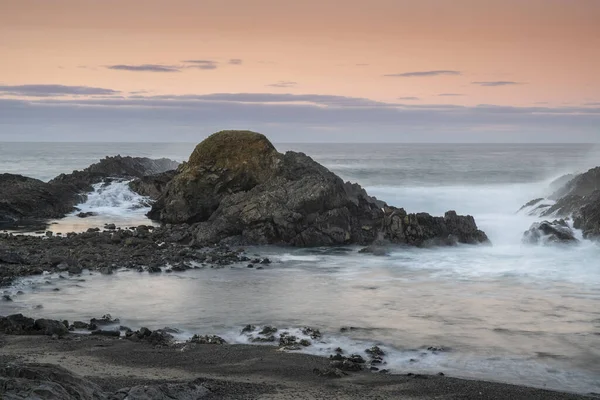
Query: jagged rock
point(208, 339)
point(578, 198)
point(549, 232)
point(236, 188)
point(17, 324)
point(23, 198)
point(45, 381)
point(152, 186)
point(165, 391)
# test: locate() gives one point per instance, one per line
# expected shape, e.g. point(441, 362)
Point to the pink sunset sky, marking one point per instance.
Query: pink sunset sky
point(436, 70)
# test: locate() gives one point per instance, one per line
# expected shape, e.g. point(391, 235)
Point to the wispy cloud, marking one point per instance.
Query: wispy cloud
point(409, 98)
point(146, 68)
point(592, 104)
point(283, 84)
point(236, 61)
point(201, 64)
point(424, 73)
point(496, 83)
point(55, 90)
point(450, 94)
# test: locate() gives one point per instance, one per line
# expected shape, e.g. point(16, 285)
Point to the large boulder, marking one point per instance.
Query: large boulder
point(226, 162)
point(28, 198)
point(236, 188)
point(549, 232)
point(45, 381)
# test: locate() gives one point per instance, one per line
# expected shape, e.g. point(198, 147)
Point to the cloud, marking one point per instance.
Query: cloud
point(236, 61)
point(146, 68)
point(496, 83)
point(408, 98)
point(283, 84)
point(450, 94)
point(289, 117)
point(202, 64)
point(54, 90)
point(592, 104)
point(424, 73)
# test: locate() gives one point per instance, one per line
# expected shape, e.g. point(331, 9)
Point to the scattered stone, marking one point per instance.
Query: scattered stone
point(208, 339)
point(313, 333)
point(332, 373)
point(248, 329)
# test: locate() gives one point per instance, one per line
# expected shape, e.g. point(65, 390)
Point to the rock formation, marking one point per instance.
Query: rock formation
point(23, 198)
point(236, 188)
point(578, 198)
point(549, 232)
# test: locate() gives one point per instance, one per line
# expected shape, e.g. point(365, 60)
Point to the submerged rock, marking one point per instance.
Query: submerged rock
point(237, 189)
point(549, 232)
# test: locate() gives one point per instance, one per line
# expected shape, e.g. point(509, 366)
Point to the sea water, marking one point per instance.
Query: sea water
point(507, 312)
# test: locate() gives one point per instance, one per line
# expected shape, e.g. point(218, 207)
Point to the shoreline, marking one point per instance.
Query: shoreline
point(241, 371)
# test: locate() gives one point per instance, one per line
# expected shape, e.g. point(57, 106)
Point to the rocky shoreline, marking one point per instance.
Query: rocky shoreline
point(98, 367)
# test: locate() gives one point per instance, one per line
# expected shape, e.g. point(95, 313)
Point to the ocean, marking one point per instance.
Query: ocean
point(508, 312)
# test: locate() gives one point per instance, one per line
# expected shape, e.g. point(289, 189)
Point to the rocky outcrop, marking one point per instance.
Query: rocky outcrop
point(140, 249)
point(152, 186)
point(578, 198)
point(236, 188)
point(23, 198)
point(114, 167)
point(52, 382)
point(17, 324)
point(549, 232)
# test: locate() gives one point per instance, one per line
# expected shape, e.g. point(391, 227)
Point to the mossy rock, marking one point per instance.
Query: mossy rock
point(236, 152)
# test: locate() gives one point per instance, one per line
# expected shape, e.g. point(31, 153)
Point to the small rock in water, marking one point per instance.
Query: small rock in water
point(6, 298)
point(208, 339)
point(375, 351)
point(268, 330)
point(248, 328)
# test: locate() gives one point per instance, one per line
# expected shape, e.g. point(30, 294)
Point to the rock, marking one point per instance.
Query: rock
point(111, 333)
point(9, 257)
point(23, 198)
point(154, 269)
point(236, 188)
point(6, 297)
point(111, 227)
point(17, 324)
point(549, 232)
point(86, 215)
point(79, 325)
point(165, 391)
point(375, 250)
point(152, 186)
point(313, 333)
point(106, 320)
point(45, 381)
point(375, 351)
point(248, 329)
point(268, 330)
point(50, 327)
point(208, 339)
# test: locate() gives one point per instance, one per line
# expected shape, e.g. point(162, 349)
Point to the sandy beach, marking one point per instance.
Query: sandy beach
point(240, 371)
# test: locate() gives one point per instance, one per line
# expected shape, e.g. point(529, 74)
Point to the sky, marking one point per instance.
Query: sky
point(311, 70)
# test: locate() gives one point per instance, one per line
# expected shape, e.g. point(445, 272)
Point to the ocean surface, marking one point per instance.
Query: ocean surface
point(508, 312)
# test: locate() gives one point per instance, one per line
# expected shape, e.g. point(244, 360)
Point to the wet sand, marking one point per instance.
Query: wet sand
point(242, 371)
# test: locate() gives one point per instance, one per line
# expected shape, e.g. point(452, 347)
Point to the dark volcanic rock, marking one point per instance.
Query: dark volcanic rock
point(18, 324)
point(23, 198)
point(237, 189)
point(28, 198)
point(45, 381)
point(152, 186)
point(549, 232)
point(578, 198)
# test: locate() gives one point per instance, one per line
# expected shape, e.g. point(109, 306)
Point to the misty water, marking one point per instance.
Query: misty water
point(507, 312)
